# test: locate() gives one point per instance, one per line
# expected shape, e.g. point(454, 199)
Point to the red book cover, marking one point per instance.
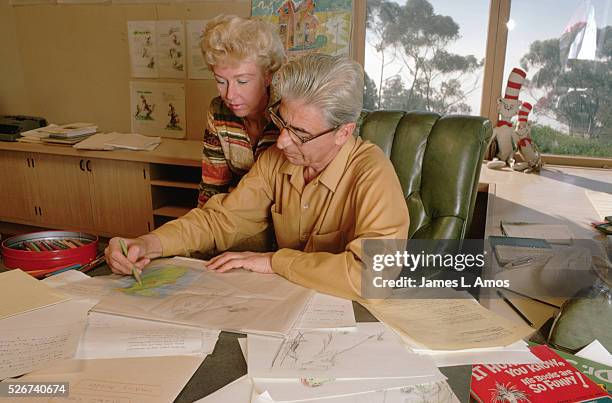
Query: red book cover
point(552, 380)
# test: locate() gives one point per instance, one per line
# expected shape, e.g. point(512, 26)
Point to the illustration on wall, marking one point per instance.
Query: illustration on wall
point(158, 109)
point(308, 26)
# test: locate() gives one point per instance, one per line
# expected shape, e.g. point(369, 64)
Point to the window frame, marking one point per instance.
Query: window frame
point(493, 77)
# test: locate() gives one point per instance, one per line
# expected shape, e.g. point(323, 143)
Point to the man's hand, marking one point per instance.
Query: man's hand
point(256, 262)
point(140, 252)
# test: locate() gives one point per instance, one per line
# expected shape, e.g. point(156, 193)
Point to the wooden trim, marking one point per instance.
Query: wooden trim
point(577, 161)
point(170, 151)
point(495, 58)
point(358, 31)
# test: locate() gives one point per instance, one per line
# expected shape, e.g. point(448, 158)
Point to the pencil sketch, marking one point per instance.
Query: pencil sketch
point(312, 350)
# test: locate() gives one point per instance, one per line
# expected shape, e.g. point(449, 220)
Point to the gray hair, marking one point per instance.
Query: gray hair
point(334, 84)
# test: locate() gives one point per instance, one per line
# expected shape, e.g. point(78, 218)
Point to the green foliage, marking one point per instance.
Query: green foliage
point(551, 141)
point(414, 35)
point(577, 93)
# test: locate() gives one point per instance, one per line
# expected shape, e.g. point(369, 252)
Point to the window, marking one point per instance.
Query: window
point(565, 46)
point(425, 54)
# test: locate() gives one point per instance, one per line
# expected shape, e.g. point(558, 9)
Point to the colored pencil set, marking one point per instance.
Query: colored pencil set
point(48, 251)
point(43, 273)
point(50, 244)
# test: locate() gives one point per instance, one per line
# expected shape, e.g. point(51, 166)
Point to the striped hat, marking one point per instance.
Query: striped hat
point(515, 81)
point(524, 111)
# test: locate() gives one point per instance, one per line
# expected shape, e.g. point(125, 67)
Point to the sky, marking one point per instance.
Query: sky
point(533, 20)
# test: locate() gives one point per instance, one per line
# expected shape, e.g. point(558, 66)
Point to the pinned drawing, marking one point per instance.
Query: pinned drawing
point(173, 124)
point(307, 26)
point(196, 66)
point(150, 116)
point(157, 49)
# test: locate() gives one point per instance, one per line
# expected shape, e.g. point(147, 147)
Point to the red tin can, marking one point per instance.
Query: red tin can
point(47, 249)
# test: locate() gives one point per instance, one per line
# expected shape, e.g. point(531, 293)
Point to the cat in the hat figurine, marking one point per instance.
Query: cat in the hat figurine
point(503, 133)
point(528, 150)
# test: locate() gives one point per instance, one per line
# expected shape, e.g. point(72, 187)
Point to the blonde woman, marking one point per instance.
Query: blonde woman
point(243, 54)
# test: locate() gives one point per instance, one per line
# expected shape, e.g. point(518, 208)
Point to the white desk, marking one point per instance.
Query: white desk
point(554, 196)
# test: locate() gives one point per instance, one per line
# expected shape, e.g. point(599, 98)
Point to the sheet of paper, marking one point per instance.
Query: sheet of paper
point(170, 49)
point(158, 109)
point(425, 392)
point(133, 380)
point(310, 388)
point(143, 50)
point(370, 351)
point(238, 391)
point(38, 338)
point(20, 292)
point(197, 68)
point(111, 336)
point(447, 324)
point(602, 203)
point(181, 291)
point(596, 352)
point(327, 312)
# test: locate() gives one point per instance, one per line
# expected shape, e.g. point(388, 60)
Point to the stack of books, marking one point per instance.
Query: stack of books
point(68, 134)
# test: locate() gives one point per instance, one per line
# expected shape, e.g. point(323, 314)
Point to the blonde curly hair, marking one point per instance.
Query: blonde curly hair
point(230, 39)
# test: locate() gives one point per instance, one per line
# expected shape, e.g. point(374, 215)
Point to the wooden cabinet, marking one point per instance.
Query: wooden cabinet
point(121, 197)
point(107, 197)
point(17, 186)
point(63, 191)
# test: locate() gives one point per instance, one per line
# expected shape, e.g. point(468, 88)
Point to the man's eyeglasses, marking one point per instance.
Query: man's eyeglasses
point(280, 123)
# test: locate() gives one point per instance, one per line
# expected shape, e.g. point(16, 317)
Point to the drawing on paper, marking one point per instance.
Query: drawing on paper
point(144, 109)
point(173, 124)
point(158, 282)
point(312, 350)
point(309, 26)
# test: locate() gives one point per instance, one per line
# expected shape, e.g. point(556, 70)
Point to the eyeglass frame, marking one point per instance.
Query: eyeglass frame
point(280, 123)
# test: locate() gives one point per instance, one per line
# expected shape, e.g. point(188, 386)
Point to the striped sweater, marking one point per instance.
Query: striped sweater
point(227, 153)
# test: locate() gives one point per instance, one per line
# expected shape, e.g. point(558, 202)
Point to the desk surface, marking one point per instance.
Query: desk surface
point(557, 195)
point(170, 151)
point(227, 363)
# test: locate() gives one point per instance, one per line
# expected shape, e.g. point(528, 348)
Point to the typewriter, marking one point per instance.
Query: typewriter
point(11, 126)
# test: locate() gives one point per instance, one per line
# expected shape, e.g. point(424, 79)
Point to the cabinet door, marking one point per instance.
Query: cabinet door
point(17, 199)
point(63, 190)
point(121, 197)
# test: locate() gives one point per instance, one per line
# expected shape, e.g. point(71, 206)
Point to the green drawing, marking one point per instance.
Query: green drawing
point(156, 282)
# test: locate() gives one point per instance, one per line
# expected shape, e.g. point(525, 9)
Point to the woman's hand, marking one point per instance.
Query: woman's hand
point(256, 262)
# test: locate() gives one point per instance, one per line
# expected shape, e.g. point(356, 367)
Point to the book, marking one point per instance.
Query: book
point(599, 373)
point(66, 140)
point(553, 233)
point(70, 130)
point(552, 380)
point(511, 249)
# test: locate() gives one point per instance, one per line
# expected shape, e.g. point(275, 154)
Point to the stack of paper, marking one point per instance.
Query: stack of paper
point(38, 325)
point(70, 130)
point(367, 364)
point(111, 336)
point(112, 141)
point(455, 330)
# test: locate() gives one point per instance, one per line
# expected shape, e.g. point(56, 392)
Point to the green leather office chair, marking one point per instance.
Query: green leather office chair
point(437, 160)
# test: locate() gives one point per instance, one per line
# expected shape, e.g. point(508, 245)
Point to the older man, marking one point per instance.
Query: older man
point(323, 189)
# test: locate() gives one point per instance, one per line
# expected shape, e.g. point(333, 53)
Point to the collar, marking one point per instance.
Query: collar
point(503, 123)
point(331, 175)
point(333, 172)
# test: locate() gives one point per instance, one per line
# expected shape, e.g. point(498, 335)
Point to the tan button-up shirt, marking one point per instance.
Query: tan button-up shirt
point(319, 226)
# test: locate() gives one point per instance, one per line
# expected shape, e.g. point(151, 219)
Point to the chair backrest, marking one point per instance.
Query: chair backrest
point(438, 161)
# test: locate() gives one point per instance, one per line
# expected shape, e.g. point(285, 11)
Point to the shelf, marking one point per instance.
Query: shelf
point(171, 211)
point(175, 184)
